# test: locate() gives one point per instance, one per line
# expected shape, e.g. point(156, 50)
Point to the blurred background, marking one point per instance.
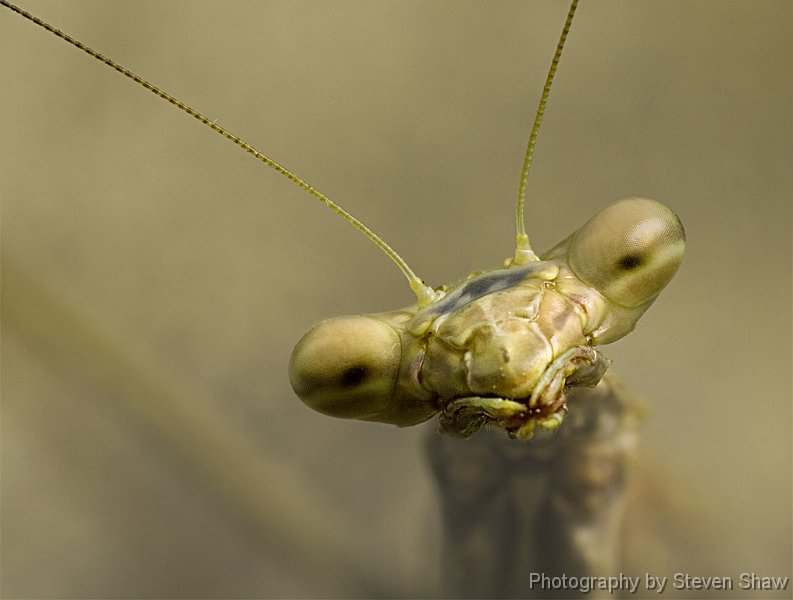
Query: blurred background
point(155, 280)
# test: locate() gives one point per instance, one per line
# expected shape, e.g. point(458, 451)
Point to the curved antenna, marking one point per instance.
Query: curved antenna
point(523, 251)
point(424, 293)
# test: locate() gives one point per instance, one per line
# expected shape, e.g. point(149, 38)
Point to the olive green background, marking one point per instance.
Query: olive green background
point(155, 279)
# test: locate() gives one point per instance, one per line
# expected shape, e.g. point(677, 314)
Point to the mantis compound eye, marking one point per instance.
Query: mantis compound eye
point(629, 251)
point(347, 367)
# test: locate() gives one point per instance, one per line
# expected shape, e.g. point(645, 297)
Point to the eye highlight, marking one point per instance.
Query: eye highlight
point(628, 251)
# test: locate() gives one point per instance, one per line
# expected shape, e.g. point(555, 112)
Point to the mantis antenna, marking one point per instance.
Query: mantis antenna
point(424, 293)
point(523, 252)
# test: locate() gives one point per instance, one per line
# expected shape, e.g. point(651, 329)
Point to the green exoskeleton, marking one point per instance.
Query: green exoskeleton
point(501, 346)
point(498, 347)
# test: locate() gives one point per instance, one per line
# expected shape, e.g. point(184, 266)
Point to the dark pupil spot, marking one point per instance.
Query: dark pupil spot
point(353, 376)
point(630, 261)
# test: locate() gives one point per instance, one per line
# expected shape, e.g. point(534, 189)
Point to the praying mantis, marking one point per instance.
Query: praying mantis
point(113, 206)
point(501, 346)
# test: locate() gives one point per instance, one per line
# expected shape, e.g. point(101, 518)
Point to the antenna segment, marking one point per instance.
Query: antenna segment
point(523, 252)
point(424, 293)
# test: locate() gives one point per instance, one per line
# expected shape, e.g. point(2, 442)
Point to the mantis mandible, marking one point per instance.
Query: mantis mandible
point(499, 347)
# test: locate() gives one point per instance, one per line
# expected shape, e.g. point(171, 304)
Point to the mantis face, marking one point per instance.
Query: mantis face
point(501, 344)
